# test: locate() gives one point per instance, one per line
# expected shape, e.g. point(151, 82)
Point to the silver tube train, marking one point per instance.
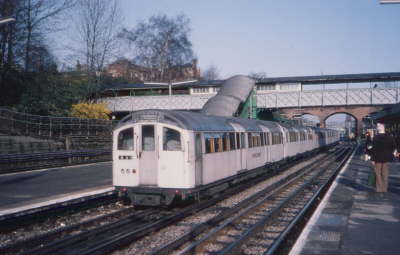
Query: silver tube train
point(161, 155)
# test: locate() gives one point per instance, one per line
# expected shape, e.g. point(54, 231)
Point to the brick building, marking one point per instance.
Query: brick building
point(126, 69)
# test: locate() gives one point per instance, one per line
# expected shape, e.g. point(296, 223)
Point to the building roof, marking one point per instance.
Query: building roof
point(319, 79)
point(339, 78)
point(392, 112)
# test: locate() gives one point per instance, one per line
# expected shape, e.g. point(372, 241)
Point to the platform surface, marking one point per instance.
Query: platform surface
point(352, 218)
point(38, 186)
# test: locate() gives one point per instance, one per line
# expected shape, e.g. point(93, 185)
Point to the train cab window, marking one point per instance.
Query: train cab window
point(232, 143)
point(148, 138)
point(125, 140)
point(171, 140)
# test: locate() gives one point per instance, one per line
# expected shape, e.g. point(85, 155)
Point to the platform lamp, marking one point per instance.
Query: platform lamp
point(389, 1)
point(4, 21)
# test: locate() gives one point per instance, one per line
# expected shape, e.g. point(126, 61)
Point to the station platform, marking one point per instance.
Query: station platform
point(352, 218)
point(32, 189)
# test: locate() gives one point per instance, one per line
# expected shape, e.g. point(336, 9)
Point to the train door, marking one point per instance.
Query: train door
point(125, 158)
point(198, 159)
point(171, 158)
point(148, 163)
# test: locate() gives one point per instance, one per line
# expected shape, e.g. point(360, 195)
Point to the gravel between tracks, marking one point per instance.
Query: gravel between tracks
point(171, 233)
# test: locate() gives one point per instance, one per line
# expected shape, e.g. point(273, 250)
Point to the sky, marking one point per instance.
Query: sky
point(285, 37)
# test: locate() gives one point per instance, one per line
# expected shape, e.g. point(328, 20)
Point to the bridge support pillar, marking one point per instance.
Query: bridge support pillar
point(322, 122)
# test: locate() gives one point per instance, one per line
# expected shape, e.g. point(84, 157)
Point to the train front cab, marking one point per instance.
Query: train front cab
point(149, 155)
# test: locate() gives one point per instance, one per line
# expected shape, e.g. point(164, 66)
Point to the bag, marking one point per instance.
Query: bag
point(371, 178)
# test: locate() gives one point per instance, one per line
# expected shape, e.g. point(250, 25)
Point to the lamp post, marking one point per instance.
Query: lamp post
point(4, 21)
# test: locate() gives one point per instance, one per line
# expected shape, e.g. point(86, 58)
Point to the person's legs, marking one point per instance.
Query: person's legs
point(378, 177)
point(385, 176)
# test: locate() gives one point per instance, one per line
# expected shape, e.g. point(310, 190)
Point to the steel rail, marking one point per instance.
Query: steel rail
point(222, 216)
point(313, 202)
point(234, 248)
point(192, 247)
point(69, 244)
point(50, 236)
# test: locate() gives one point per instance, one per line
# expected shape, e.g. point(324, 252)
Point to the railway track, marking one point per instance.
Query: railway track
point(259, 224)
point(59, 233)
point(132, 227)
point(21, 219)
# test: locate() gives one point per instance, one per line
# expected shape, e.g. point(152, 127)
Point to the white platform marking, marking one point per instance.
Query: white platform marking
point(54, 201)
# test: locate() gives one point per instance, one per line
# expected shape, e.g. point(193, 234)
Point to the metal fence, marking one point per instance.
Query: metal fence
point(16, 123)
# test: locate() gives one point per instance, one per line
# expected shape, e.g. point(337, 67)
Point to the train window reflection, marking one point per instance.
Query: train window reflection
point(125, 139)
point(172, 140)
point(148, 138)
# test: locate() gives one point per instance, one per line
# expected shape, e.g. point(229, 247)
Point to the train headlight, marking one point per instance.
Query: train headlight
point(128, 171)
point(122, 171)
point(133, 171)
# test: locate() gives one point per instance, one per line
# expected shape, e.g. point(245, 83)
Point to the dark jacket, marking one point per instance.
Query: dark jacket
point(383, 146)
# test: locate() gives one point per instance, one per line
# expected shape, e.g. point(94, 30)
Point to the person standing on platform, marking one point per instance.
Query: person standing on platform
point(368, 145)
point(383, 150)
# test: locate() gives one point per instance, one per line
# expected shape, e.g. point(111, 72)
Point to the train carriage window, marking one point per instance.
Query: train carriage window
point(249, 140)
point(172, 140)
point(210, 143)
point(262, 135)
point(225, 141)
point(238, 141)
point(267, 138)
point(125, 140)
point(219, 143)
point(232, 143)
point(256, 139)
point(242, 143)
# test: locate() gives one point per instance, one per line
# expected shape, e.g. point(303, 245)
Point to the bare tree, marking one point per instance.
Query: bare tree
point(40, 17)
point(210, 73)
point(161, 44)
point(97, 24)
point(258, 75)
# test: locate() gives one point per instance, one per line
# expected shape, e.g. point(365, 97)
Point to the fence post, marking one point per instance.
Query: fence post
point(68, 147)
point(40, 125)
point(50, 130)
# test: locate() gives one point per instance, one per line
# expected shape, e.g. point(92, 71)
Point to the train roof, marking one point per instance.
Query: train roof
point(184, 119)
point(200, 122)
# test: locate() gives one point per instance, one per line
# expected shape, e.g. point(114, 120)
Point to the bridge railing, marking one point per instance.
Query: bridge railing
point(174, 102)
point(16, 123)
point(365, 96)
